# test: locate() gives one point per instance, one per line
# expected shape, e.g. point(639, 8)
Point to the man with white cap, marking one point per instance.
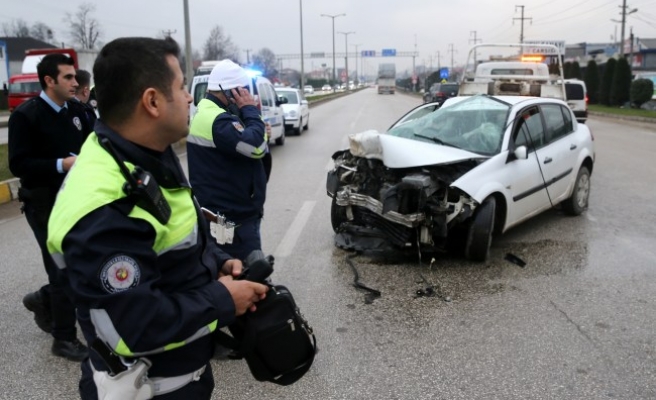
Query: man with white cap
point(225, 148)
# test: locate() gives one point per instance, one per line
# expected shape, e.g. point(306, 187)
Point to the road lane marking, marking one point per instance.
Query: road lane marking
point(590, 217)
point(288, 242)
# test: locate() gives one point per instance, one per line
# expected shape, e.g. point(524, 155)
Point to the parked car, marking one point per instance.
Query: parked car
point(326, 88)
point(295, 106)
point(458, 174)
point(577, 98)
point(264, 93)
point(308, 89)
point(439, 92)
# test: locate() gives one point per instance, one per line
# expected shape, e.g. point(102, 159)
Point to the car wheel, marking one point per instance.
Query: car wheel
point(281, 140)
point(479, 236)
point(578, 201)
point(307, 124)
point(300, 127)
point(337, 215)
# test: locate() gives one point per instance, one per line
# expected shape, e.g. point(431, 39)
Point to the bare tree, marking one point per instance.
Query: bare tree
point(16, 28)
point(219, 46)
point(42, 32)
point(265, 60)
point(84, 30)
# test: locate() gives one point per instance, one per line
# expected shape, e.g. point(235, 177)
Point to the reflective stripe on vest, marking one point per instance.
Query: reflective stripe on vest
point(108, 334)
point(200, 131)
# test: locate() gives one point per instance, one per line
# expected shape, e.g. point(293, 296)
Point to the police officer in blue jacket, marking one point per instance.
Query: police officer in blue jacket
point(225, 149)
point(148, 286)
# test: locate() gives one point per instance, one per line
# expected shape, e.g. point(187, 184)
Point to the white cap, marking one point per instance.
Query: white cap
point(227, 74)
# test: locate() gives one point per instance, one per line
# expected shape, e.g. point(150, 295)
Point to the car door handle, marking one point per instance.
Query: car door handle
point(572, 147)
point(547, 160)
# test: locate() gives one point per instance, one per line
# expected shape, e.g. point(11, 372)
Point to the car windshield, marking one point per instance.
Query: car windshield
point(292, 97)
point(476, 124)
point(24, 87)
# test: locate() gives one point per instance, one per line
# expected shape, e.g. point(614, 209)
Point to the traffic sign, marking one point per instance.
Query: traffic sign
point(318, 55)
point(368, 53)
point(444, 73)
point(389, 52)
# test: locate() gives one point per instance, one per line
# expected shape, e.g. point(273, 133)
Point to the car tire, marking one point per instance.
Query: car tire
point(479, 236)
point(307, 124)
point(281, 140)
point(577, 203)
point(337, 215)
point(300, 127)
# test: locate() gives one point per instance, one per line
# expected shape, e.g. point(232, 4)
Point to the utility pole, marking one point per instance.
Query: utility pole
point(522, 19)
point(248, 56)
point(357, 77)
point(300, 4)
point(346, 55)
point(189, 69)
point(624, 14)
point(451, 50)
point(333, 18)
point(168, 32)
point(439, 66)
point(414, 70)
point(475, 40)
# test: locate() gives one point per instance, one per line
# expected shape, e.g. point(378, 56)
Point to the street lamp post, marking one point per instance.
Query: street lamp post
point(333, 18)
point(300, 4)
point(346, 55)
point(357, 77)
point(189, 69)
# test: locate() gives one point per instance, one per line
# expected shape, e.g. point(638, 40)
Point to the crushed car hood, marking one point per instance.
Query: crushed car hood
point(398, 152)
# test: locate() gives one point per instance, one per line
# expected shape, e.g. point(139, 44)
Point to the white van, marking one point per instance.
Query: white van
point(262, 89)
point(577, 98)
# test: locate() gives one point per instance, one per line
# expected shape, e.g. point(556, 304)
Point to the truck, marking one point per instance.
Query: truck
point(26, 85)
point(386, 78)
point(4, 66)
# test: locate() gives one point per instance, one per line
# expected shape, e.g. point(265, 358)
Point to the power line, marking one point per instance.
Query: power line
point(560, 18)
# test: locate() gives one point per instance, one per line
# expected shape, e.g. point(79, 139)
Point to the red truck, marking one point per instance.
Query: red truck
point(26, 85)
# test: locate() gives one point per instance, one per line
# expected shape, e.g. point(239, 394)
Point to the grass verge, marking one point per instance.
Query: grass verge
point(634, 112)
point(4, 164)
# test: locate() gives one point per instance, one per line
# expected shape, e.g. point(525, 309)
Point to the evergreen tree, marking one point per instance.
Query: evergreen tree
point(620, 90)
point(606, 82)
point(567, 70)
point(592, 81)
point(575, 70)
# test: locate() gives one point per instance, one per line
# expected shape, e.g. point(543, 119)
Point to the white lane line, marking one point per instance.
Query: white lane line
point(590, 217)
point(288, 242)
point(356, 119)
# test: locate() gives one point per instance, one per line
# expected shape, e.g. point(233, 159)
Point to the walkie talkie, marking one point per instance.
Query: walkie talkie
point(142, 185)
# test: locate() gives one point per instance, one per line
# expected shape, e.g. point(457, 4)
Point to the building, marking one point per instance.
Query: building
point(16, 47)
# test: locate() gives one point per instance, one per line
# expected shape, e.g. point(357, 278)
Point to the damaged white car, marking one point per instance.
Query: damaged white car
point(474, 167)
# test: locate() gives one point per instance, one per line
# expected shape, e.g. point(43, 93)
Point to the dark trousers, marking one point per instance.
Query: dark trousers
point(200, 389)
point(246, 239)
point(54, 293)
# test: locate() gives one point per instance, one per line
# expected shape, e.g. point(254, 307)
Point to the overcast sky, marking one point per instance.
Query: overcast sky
point(430, 25)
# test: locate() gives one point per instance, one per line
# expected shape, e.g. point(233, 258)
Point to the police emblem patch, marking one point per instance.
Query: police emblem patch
point(77, 123)
point(238, 126)
point(120, 273)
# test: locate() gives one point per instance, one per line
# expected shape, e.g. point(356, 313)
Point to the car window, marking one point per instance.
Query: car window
point(476, 124)
point(291, 96)
point(574, 91)
point(530, 132)
point(512, 71)
point(448, 89)
point(265, 96)
point(199, 92)
point(556, 126)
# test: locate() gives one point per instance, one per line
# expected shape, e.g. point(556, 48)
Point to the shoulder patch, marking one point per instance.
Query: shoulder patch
point(120, 273)
point(238, 126)
point(78, 123)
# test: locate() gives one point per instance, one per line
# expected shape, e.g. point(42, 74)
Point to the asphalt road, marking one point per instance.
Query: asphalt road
point(578, 322)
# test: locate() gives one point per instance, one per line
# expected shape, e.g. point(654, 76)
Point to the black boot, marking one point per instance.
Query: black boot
point(72, 350)
point(42, 314)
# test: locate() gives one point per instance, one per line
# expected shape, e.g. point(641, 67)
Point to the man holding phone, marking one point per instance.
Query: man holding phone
point(226, 148)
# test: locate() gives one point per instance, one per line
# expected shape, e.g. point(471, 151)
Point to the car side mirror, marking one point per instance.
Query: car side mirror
point(521, 153)
point(5, 89)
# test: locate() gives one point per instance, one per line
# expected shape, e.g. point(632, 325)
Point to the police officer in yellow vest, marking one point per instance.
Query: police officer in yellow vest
point(225, 149)
point(126, 230)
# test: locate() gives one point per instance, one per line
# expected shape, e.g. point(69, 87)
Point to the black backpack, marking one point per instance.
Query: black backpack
point(276, 340)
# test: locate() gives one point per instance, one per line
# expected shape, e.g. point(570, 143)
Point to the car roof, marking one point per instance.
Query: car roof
point(512, 100)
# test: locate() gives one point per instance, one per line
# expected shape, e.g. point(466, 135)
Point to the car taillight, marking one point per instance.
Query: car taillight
point(440, 94)
point(586, 99)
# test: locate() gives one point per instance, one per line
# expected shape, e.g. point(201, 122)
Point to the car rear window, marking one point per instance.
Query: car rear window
point(449, 88)
point(574, 91)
